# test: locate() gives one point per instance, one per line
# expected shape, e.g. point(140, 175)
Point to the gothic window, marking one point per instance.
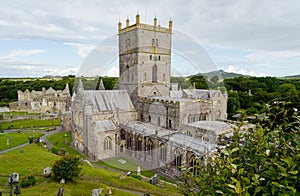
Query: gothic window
point(153, 42)
point(163, 152)
point(150, 56)
point(159, 58)
point(150, 147)
point(139, 143)
point(194, 165)
point(130, 141)
point(158, 121)
point(177, 160)
point(149, 118)
point(154, 73)
point(164, 77)
point(107, 143)
point(145, 76)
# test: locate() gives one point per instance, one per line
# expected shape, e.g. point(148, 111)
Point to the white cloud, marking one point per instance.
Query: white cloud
point(22, 53)
point(82, 49)
point(234, 69)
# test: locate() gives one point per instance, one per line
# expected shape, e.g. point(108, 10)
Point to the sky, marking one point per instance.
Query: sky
point(252, 37)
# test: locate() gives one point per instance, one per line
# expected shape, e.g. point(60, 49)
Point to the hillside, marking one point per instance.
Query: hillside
point(34, 159)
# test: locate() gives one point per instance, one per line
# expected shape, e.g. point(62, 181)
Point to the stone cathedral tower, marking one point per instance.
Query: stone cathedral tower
point(145, 59)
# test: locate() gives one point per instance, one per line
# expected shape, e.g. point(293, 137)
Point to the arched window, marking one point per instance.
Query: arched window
point(163, 152)
point(158, 121)
point(154, 73)
point(127, 73)
point(194, 165)
point(149, 118)
point(177, 159)
point(149, 147)
point(139, 143)
point(107, 143)
point(130, 140)
point(150, 56)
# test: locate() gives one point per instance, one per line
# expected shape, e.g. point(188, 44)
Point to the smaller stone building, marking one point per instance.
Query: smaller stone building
point(46, 101)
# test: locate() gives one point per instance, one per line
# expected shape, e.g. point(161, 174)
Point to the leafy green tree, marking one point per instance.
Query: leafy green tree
point(66, 168)
point(200, 82)
point(260, 161)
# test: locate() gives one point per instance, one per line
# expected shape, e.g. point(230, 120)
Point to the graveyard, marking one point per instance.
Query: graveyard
point(33, 159)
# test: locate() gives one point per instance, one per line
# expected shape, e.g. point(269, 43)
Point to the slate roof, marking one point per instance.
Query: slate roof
point(105, 125)
point(215, 127)
point(108, 100)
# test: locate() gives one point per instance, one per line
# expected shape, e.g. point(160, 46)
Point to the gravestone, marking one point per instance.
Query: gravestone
point(138, 171)
point(62, 181)
point(95, 192)
point(7, 142)
point(154, 179)
point(47, 172)
point(110, 191)
point(60, 192)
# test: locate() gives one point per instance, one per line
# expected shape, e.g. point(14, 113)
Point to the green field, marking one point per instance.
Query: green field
point(30, 123)
point(16, 138)
point(19, 113)
point(34, 159)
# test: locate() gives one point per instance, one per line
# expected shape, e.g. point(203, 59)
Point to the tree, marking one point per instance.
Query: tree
point(66, 168)
point(259, 161)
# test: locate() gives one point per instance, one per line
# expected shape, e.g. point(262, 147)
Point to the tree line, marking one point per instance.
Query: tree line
point(249, 94)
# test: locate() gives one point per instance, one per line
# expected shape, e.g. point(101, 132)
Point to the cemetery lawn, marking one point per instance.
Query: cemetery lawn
point(59, 139)
point(30, 123)
point(32, 159)
point(16, 138)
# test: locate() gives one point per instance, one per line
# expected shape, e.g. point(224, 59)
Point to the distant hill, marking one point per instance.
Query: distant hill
point(292, 77)
point(223, 73)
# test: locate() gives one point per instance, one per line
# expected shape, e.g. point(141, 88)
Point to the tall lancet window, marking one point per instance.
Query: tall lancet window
point(154, 73)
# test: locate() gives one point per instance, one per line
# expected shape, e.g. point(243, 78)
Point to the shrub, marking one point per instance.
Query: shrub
point(136, 176)
point(67, 168)
point(28, 181)
point(54, 150)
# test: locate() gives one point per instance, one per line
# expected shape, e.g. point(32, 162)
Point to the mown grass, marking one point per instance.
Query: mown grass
point(30, 123)
point(129, 166)
point(20, 113)
point(34, 159)
point(16, 139)
point(59, 139)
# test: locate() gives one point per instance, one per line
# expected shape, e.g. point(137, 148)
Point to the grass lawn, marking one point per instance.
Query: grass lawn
point(128, 166)
point(16, 139)
point(19, 113)
point(60, 138)
point(34, 159)
point(30, 123)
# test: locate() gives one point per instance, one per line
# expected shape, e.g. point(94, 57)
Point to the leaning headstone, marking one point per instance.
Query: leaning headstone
point(95, 192)
point(65, 142)
point(138, 171)
point(60, 192)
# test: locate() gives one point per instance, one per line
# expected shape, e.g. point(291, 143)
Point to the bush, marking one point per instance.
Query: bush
point(66, 168)
point(136, 176)
point(54, 150)
point(28, 181)
point(261, 161)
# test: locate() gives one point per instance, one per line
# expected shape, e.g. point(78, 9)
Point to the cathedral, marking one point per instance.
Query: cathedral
point(148, 119)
